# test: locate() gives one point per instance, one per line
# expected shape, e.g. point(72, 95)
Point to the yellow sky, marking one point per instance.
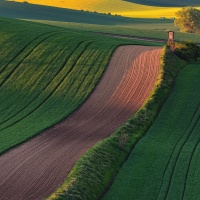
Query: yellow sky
point(113, 6)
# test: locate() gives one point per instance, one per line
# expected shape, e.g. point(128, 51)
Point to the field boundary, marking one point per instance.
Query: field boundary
point(94, 172)
point(135, 37)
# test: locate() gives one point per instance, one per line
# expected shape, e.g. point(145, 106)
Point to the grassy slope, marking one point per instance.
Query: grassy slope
point(45, 75)
point(121, 7)
point(30, 11)
point(94, 171)
point(165, 163)
point(79, 20)
point(142, 28)
point(170, 3)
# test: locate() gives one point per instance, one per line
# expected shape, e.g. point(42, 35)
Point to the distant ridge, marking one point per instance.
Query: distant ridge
point(167, 3)
point(31, 11)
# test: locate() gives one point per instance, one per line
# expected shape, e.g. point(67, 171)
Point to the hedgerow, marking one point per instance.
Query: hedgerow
point(187, 50)
point(93, 173)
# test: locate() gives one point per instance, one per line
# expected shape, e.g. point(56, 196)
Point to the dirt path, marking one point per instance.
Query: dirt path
point(35, 169)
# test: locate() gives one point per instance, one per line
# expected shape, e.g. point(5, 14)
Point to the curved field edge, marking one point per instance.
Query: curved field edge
point(12, 59)
point(94, 172)
point(165, 162)
point(136, 8)
point(70, 108)
point(143, 28)
point(166, 3)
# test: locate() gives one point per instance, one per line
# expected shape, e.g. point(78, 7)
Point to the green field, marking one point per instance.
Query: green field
point(165, 163)
point(48, 69)
point(46, 75)
point(129, 8)
point(47, 72)
point(105, 158)
point(12, 9)
point(167, 3)
point(149, 28)
point(93, 21)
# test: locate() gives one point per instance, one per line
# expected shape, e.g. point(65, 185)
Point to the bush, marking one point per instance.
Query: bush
point(188, 20)
point(187, 50)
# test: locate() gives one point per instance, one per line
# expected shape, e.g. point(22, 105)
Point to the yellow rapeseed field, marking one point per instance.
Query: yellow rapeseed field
point(112, 6)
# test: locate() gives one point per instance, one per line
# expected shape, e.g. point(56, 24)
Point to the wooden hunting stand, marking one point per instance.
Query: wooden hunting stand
point(171, 42)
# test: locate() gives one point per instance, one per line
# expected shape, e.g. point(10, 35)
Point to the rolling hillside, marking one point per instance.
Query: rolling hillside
point(165, 162)
point(38, 12)
point(167, 3)
point(97, 22)
point(46, 76)
point(121, 92)
point(92, 21)
point(41, 75)
point(120, 7)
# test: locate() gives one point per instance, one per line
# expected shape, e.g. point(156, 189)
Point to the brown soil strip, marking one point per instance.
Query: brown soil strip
point(35, 169)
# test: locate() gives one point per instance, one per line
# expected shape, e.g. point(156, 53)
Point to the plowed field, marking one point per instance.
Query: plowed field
point(36, 168)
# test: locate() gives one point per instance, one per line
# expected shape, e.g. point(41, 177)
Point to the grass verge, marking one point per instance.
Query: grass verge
point(93, 173)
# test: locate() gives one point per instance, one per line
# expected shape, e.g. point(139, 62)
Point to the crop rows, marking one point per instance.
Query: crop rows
point(112, 102)
point(165, 163)
point(44, 77)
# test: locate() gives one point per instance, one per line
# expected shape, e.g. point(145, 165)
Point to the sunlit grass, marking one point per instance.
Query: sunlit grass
point(46, 75)
point(162, 164)
point(113, 6)
point(150, 28)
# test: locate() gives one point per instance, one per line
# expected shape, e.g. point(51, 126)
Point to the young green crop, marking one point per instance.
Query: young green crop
point(148, 28)
point(46, 75)
point(165, 164)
